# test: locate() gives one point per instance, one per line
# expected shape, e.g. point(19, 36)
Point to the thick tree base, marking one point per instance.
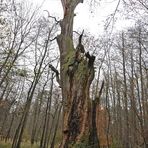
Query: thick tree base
point(84, 143)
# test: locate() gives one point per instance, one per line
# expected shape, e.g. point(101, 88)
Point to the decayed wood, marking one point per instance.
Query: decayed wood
point(76, 75)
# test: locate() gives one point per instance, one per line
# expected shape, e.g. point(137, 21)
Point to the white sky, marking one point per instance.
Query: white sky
point(85, 19)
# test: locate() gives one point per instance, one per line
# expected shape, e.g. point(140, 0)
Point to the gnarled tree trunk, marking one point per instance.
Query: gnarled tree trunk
point(76, 77)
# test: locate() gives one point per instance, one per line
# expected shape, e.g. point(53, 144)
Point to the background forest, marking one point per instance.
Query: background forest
point(30, 95)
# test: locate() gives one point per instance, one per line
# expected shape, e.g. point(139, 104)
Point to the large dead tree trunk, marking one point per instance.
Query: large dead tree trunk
point(76, 74)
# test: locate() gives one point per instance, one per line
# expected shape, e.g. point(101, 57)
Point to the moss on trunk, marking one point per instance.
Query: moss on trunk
point(76, 77)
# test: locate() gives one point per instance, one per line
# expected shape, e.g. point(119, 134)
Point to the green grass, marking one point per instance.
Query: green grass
point(23, 145)
point(5, 145)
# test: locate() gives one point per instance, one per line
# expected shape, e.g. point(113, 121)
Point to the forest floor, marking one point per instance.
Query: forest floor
point(4, 144)
point(27, 144)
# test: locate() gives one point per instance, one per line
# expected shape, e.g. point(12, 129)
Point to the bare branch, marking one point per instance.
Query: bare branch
point(112, 18)
point(56, 72)
point(53, 39)
point(52, 17)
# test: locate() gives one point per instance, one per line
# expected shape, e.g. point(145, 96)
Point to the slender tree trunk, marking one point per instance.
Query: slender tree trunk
point(133, 105)
point(119, 114)
point(4, 90)
point(35, 119)
point(44, 138)
point(56, 127)
point(141, 78)
point(10, 127)
point(107, 106)
point(50, 135)
point(126, 141)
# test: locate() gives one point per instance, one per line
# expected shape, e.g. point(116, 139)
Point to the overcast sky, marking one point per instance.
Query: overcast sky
point(85, 18)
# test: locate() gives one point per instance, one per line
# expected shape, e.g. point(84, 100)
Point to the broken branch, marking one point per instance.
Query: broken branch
point(56, 72)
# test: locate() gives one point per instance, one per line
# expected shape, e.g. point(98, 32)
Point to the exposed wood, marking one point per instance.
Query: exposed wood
point(76, 76)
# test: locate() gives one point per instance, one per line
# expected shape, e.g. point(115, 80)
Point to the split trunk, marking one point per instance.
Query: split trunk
point(76, 77)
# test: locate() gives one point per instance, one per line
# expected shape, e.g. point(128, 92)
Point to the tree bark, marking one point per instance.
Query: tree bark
point(75, 84)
